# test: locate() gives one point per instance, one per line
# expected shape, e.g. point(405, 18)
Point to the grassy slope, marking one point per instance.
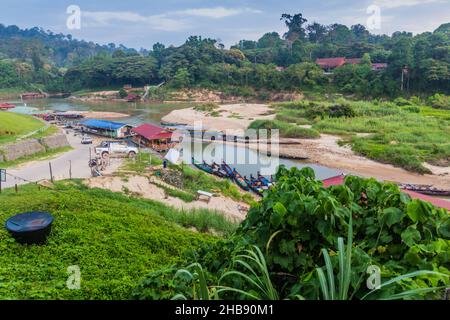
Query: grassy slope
point(14, 125)
point(402, 136)
point(113, 240)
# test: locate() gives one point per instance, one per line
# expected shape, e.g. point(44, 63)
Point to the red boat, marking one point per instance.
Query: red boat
point(7, 106)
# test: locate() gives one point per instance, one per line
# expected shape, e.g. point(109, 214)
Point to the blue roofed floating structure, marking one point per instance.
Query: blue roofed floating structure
point(107, 128)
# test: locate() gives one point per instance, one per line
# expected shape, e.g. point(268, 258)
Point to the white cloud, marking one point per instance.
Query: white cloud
point(216, 13)
point(169, 21)
point(107, 18)
point(391, 4)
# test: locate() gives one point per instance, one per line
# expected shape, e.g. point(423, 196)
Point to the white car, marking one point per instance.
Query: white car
point(86, 140)
point(108, 148)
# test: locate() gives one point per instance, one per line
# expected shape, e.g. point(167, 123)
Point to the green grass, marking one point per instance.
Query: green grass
point(15, 125)
point(114, 240)
point(35, 157)
point(404, 139)
point(287, 130)
point(404, 136)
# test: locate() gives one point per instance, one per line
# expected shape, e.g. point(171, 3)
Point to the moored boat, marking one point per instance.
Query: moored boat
point(426, 190)
point(202, 166)
point(227, 169)
point(240, 181)
point(254, 185)
point(218, 171)
point(266, 182)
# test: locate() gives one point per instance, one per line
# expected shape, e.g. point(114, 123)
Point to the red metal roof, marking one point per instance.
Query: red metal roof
point(7, 106)
point(334, 181)
point(339, 180)
point(331, 62)
point(441, 203)
point(152, 132)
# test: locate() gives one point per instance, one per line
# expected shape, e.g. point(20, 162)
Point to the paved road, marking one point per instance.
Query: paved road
point(39, 170)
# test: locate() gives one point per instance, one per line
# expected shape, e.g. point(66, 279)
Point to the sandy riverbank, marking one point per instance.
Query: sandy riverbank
point(324, 151)
point(327, 152)
point(234, 118)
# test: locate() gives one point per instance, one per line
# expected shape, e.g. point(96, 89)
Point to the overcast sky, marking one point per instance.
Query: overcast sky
point(141, 23)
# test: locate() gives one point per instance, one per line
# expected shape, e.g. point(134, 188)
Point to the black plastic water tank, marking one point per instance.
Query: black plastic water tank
point(30, 227)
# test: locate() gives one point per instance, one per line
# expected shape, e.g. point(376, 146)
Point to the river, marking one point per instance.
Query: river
point(244, 160)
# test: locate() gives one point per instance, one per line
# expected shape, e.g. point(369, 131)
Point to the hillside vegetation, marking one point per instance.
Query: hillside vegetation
point(405, 133)
point(295, 235)
point(113, 240)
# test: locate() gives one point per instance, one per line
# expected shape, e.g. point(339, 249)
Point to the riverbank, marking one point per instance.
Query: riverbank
point(229, 118)
point(325, 151)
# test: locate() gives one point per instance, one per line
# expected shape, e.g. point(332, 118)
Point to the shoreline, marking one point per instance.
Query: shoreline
point(324, 151)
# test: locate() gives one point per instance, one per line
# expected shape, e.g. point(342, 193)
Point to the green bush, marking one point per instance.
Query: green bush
point(439, 101)
point(298, 218)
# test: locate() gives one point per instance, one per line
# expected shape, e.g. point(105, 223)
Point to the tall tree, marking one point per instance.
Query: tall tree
point(295, 24)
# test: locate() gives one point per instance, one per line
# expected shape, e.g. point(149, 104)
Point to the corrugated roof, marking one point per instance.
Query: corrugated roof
point(103, 124)
point(152, 132)
point(330, 62)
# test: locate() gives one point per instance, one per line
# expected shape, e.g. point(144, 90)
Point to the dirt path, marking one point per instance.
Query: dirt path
point(78, 158)
point(142, 185)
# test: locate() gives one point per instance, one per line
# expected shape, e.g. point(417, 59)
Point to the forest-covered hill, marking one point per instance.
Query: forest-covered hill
point(274, 62)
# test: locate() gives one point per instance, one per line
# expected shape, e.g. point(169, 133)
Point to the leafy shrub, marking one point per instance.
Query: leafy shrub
point(287, 130)
point(402, 102)
point(299, 217)
point(439, 101)
point(123, 93)
point(340, 111)
point(302, 133)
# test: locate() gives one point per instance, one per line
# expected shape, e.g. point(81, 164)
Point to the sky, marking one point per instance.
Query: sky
point(141, 23)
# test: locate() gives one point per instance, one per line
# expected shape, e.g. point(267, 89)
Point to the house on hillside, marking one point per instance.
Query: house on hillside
point(132, 97)
point(106, 128)
point(329, 64)
point(155, 137)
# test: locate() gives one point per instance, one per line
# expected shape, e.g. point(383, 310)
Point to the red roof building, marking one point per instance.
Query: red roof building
point(154, 137)
point(339, 180)
point(330, 63)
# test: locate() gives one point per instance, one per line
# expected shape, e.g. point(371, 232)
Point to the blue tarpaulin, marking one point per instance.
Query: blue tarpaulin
point(103, 124)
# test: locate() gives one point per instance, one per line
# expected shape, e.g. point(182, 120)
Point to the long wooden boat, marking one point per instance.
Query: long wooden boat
point(427, 190)
point(266, 182)
point(240, 181)
point(255, 186)
point(202, 166)
point(218, 171)
point(227, 169)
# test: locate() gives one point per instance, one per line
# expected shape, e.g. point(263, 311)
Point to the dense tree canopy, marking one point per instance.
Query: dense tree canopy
point(272, 62)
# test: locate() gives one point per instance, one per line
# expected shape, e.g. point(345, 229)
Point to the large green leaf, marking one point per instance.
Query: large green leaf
point(411, 236)
point(392, 216)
